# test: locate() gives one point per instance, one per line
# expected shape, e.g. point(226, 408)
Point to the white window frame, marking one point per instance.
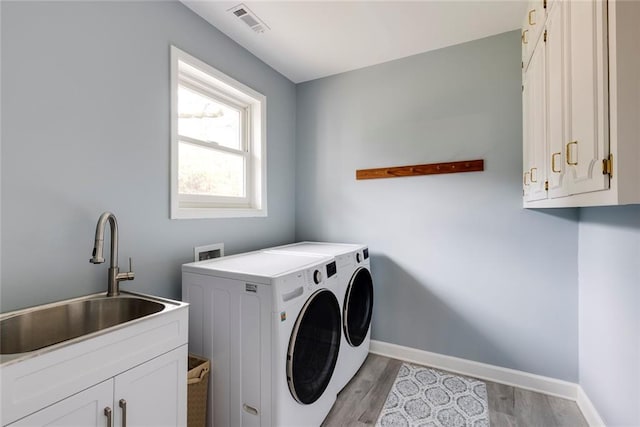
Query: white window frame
point(201, 77)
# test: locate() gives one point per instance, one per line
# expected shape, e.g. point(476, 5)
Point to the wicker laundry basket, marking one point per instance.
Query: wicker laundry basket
point(197, 385)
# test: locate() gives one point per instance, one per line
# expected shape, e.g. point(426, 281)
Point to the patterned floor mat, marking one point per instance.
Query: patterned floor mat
point(425, 397)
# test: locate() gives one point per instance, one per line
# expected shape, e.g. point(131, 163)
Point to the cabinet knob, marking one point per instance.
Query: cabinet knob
point(531, 174)
point(532, 21)
point(524, 178)
point(525, 38)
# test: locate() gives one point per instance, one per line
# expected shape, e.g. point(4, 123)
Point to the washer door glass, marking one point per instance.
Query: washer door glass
point(313, 347)
point(358, 305)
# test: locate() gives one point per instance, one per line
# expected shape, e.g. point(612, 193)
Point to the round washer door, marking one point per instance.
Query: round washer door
point(358, 305)
point(313, 347)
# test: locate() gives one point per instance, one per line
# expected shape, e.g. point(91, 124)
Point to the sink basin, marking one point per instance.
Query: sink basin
point(37, 328)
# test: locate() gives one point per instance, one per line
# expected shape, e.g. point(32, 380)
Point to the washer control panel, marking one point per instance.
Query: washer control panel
point(321, 275)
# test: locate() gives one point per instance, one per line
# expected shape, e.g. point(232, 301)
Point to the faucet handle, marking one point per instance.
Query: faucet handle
point(129, 275)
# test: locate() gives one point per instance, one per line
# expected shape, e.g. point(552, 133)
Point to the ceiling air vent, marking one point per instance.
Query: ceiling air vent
point(248, 17)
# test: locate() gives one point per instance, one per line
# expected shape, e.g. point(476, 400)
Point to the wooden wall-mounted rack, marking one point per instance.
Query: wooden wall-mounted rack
point(415, 170)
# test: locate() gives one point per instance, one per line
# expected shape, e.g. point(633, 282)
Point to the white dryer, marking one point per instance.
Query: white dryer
point(355, 292)
point(270, 323)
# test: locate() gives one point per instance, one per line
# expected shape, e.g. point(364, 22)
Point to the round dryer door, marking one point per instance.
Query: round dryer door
point(313, 347)
point(358, 305)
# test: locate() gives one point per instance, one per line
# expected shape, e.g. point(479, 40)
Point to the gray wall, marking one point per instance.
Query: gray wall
point(85, 128)
point(609, 259)
point(459, 267)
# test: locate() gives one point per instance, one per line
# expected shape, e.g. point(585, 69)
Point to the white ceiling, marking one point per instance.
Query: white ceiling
point(312, 39)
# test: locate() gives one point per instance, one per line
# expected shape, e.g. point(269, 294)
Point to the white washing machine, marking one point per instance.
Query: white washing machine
point(355, 293)
point(271, 325)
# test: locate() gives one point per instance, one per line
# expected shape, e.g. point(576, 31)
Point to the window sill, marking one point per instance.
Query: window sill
point(209, 213)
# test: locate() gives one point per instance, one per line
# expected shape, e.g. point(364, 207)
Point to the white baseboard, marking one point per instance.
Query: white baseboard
point(512, 377)
point(588, 410)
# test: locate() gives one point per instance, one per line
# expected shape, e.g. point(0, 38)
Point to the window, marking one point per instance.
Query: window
point(218, 143)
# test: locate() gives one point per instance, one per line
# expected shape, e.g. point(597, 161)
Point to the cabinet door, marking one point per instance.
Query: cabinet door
point(85, 409)
point(526, 137)
point(556, 135)
point(153, 394)
point(586, 104)
point(535, 18)
point(535, 138)
point(531, 29)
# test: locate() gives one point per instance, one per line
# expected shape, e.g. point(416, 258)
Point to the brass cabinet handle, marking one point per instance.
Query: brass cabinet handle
point(531, 174)
point(524, 178)
point(524, 37)
point(569, 162)
point(532, 22)
point(123, 405)
point(107, 413)
point(553, 162)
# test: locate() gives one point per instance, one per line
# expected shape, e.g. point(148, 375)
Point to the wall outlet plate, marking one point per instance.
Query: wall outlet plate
point(201, 253)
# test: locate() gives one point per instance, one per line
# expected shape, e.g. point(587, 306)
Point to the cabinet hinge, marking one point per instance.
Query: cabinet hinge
point(546, 186)
point(545, 36)
point(607, 166)
point(544, 4)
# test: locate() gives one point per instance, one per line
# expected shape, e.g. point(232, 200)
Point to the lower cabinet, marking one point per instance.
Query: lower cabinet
point(151, 394)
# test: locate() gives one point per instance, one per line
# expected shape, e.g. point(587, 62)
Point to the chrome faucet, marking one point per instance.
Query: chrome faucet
point(113, 287)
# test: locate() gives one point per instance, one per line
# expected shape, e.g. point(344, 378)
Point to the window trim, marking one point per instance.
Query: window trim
point(212, 81)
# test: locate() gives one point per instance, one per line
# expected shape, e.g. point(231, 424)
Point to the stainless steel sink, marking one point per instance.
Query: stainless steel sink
point(37, 328)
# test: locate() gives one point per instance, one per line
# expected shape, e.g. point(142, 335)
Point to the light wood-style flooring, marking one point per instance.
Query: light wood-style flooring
point(360, 402)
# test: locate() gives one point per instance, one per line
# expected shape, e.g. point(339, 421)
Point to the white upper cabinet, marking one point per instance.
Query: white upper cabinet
point(588, 57)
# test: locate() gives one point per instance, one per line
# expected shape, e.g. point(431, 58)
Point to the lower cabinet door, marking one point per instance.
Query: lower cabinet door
point(89, 408)
point(153, 394)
